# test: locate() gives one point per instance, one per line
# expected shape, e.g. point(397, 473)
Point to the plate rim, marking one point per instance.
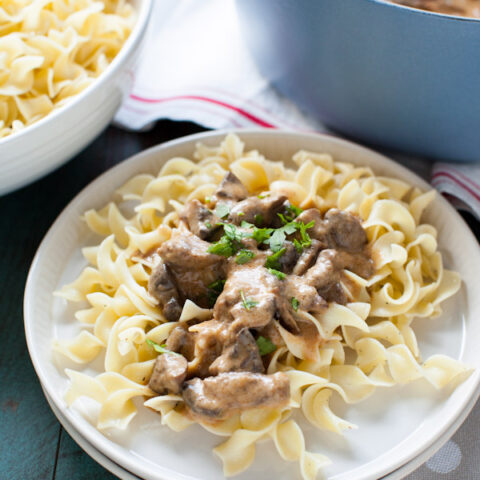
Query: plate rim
point(100, 441)
point(87, 447)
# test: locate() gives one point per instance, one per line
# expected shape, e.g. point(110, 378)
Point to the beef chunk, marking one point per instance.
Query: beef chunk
point(307, 258)
point(289, 258)
point(241, 355)
point(231, 189)
point(325, 276)
point(181, 341)
point(308, 298)
point(326, 270)
point(192, 267)
point(260, 211)
point(216, 398)
point(209, 336)
point(256, 284)
point(169, 373)
point(345, 231)
point(161, 286)
point(200, 220)
point(284, 313)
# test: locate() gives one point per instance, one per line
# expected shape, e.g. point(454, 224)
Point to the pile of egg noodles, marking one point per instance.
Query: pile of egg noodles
point(119, 314)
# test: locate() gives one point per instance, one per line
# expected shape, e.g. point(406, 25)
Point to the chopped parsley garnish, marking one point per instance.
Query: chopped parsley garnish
point(280, 235)
point(279, 275)
point(222, 210)
point(273, 260)
point(244, 256)
point(298, 245)
point(233, 233)
point(263, 195)
point(208, 199)
point(294, 210)
point(261, 235)
point(306, 240)
point(245, 224)
point(230, 243)
point(208, 224)
point(258, 218)
point(265, 345)
point(214, 290)
point(295, 303)
point(240, 214)
point(223, 247)
point(159, 348)
point(217, 286)
point(247, 303)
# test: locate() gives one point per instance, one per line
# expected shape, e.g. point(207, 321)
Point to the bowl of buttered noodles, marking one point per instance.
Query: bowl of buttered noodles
point(64, 67)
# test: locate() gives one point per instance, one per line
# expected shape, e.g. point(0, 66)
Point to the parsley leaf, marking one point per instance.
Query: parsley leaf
point(159, 348)
point(279, 275)
point(306, 240)
point(244, 256)
point(245, 224)
point(276, 240)
point(240, 214)
point(298, 245)
point(223, 247)
point(208, 224)
point(272, 260)
point(208, 199)
point(217, 286)
point(222, 210)
point(283, 219)
point(233, 233)
point(290, 228)
point(265, 345)
point(247, 303)
point(295, 303)
point(258, 218)
point(261, 196)
point(230, 243)
point(261, 235)
point(294, 210)
point(214, 290)
point(279, 236)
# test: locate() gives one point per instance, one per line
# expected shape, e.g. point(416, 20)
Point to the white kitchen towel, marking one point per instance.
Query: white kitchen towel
point(195, 66)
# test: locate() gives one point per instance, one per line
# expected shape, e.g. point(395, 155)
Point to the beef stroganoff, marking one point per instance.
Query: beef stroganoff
point(239, 291)
point(464, 8)
point(51, 51)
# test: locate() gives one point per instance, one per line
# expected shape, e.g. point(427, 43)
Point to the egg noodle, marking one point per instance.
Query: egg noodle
point(409, 281)
point(50, 50)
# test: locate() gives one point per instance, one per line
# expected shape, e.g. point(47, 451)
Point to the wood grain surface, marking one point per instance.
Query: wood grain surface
point(33, 445)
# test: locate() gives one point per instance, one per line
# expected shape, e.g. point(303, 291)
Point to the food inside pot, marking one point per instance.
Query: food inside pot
point(465, 8)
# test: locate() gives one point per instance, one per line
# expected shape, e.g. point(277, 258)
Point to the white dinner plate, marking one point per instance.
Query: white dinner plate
point(121, 473)
point(112, 467)
point(395, 425)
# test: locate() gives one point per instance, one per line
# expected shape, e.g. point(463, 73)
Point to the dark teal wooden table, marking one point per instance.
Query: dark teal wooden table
point(33, 445)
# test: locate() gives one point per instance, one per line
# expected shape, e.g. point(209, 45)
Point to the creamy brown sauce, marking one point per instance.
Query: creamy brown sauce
point(465, 8)
point(259, 262)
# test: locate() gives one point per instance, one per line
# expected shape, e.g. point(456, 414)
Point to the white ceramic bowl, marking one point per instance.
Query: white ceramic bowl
point(395, 425)
point(40, 148)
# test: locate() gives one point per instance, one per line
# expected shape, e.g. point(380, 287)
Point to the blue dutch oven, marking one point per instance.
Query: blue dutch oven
point(389, 75)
